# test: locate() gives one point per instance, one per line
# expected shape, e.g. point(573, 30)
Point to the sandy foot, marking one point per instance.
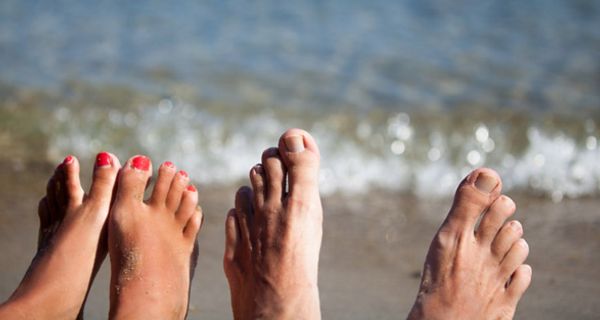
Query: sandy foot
point(475, 273)
point(71, 244)
point(152, 243)
point(273, 236)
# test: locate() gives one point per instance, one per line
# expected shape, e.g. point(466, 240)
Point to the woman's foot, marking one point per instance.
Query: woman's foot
point(71, 245)
point(273, 236)
point(152, 243)
point(475, 273)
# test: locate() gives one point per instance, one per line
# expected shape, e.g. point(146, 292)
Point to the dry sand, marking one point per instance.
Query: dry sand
point(373, 249)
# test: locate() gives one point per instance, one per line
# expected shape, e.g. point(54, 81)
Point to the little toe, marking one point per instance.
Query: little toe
point(275, 174)
point(519, 283)
point(300, 154)
point(494, 218)
point(506, 237)
point(166, 172)
point(257, 179)
point(473, 197)
point(53, 195)
point(106, 169)
point(178, 184)
point(44, 213)
point(188, 205)
point(193, 224)
point(133, 179)
point(232, 240)
point(244, 215)
point(514, 258)
point(70, 187)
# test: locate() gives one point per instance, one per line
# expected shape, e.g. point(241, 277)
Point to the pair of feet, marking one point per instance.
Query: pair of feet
point(273, 238)
point(151, 243)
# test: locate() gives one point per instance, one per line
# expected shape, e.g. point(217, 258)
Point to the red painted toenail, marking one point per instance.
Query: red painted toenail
point(140, 163)
point(103, 159)
point(68, 159)
point(169, 164)
point(183, 173)
point(191, 188)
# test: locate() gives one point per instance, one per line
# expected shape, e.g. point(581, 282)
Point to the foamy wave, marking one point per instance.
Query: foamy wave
point(220, 147)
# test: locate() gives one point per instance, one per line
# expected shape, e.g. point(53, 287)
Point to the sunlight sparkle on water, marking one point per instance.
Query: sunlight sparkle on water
point(473, 157)
point(489, 145)
point(591, 143)
point(165, 106)
point(539, 160)
point(434, 154)
point(397, 147)
point(482, 133)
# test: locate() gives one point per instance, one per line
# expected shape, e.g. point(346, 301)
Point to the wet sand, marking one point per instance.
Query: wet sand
point(373, 249)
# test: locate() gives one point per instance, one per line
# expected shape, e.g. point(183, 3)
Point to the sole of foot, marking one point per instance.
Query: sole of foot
point(273, 236)
point(71, 243)
point(152, 243)
point(475, 270)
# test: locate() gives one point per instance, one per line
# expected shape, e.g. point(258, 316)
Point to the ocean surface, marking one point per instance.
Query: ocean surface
point(405, 96)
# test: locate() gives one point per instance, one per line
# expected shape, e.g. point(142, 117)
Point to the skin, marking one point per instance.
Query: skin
point(273, 236)
point(152, 244)
point(475, 272)
point(71, 245)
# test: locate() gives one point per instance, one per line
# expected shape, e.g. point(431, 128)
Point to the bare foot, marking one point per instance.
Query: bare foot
point(152, 243)
point(71, 244)
point(273, 236)
point(475, 274)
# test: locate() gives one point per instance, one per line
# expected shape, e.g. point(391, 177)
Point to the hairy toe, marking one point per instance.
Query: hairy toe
point(473, 197)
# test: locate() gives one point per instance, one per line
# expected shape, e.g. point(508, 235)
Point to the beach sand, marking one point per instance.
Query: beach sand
point(373, 250)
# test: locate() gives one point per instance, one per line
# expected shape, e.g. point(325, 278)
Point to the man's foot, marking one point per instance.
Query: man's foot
point(273, 236)
point(71, 243)
point(475, 273)
point(152, 243)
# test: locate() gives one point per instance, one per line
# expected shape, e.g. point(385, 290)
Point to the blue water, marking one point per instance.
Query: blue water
point(418, 88)
point(360, 53)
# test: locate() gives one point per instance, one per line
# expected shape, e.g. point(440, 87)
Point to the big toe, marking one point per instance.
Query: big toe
point(473, 197)
point(133, 179)
point(300, 154)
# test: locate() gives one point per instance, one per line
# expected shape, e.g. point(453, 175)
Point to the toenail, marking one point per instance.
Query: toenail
point(68, 159)
point(183, 173)
point(486, 183)
point(168, 164)
point(515, 225)
point(103, 159)
point(258, 169)
point(140, 163)
point(191, 188)
point(294, 143)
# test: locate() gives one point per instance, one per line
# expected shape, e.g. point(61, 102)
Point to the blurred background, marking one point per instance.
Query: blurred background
point(403, 97)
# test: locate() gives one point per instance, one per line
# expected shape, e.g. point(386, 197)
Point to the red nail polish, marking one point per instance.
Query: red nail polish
point(169, 164)
point(191, 188)
point(68, 159)
point(183, 173)
point(140, 163)
point(103, 159)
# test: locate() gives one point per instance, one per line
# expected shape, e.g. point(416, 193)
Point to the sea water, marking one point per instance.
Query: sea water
point(400, 95)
